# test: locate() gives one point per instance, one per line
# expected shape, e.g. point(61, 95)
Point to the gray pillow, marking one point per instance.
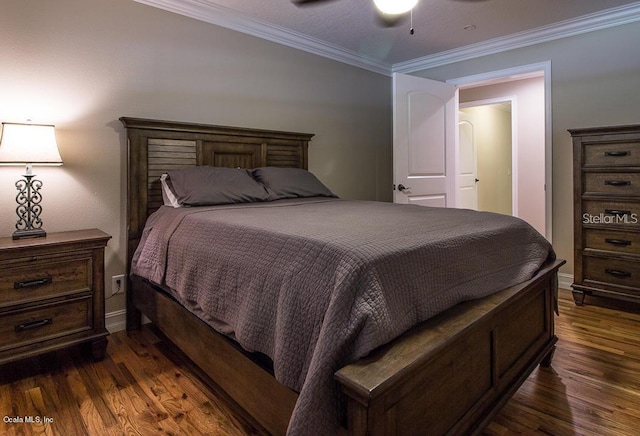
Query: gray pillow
point(290, 183)
point(205, 186)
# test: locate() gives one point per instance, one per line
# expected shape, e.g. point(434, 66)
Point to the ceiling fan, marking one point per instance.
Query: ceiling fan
point(391, 11)
point(389, 7)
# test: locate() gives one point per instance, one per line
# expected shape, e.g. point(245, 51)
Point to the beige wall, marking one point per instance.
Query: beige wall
point(595, 80)
point(82, 64)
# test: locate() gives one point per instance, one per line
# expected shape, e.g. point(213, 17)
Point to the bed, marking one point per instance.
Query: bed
point(449, 373)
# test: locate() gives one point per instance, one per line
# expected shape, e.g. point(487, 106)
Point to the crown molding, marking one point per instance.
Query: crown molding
point(224, 17)
point(214, 14)
point(563, 29)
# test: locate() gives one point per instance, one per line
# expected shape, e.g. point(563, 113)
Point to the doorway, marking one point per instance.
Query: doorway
point(431, 175)
point(487, 148)
point(529, 88)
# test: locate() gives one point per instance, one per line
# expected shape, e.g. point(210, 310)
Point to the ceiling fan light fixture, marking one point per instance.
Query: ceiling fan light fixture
point(395, 7)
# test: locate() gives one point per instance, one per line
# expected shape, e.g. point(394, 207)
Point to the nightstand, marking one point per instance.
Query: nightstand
point(52, 294)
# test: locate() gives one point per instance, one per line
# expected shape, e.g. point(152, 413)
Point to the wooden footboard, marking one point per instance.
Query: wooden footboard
point(453, 373)
point(448, 376)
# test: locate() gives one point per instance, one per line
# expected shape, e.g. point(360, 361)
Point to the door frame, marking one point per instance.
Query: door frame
point(514, 141)
point(516, 73)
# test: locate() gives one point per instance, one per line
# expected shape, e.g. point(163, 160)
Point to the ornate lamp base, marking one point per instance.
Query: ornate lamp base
point(29, 224)
point(32, 233)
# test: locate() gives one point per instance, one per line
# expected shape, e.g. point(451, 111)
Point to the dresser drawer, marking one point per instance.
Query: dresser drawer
point(45, 322)
point(611, 213)
point(615, 271)
point(611, 155)
point(611, 240)
point(627, 184)
point(29, 280)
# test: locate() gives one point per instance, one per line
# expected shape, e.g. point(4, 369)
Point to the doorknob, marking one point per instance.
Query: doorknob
point(403, 188)
point(477, 180)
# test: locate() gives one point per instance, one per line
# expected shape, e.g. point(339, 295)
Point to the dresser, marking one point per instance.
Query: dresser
point(606, 179)
point(52, 294)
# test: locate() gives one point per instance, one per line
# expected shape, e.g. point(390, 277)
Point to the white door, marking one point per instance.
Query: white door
point(425, 133)
point(468, 194)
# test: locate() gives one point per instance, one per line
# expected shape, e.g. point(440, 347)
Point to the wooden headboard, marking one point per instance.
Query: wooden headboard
point(155, 147)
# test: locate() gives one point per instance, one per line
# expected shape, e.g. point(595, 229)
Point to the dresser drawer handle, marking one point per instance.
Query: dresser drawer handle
point(617, 212)
point(617, 182)
point(617, 241)
point(33, 325)
point(617, 273)
point(617, 153)
point(32, 283)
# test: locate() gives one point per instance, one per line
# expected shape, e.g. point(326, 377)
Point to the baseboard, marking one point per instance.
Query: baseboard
point(565, 280)
point(116, 321)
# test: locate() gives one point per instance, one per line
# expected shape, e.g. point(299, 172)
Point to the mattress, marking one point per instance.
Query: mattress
point(318, 283)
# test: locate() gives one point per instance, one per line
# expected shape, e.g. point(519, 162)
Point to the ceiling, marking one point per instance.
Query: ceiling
point(353, 32)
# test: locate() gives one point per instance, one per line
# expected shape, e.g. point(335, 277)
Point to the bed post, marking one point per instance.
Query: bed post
point(136, 213)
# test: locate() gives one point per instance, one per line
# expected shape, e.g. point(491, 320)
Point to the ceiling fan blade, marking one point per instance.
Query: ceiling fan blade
point(303, 3)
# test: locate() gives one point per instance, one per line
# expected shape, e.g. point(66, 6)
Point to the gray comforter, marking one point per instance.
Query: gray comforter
point(318, 283)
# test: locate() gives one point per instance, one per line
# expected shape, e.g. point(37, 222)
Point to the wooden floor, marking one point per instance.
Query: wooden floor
point(144, 387)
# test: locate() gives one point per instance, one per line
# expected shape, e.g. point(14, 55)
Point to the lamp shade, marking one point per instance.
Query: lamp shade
point(29, 144)
point(395, 7)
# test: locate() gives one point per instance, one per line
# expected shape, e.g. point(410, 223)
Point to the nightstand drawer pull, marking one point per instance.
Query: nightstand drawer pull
point(624, 242)
point(617, 153)
point(34, 324)
point(617, 212)
point(617, 273)
point(32, 283)
point(617, 182)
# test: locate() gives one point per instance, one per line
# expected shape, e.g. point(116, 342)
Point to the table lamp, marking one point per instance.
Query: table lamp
point(29, 144)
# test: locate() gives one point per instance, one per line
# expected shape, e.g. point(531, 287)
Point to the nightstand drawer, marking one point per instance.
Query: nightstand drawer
point(45, 322)
point(43, 278)
point(615, 271)
point(624, 184)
